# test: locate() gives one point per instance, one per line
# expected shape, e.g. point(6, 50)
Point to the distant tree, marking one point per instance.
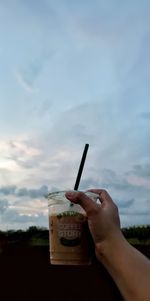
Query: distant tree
point(139, 232)
point(33, 229)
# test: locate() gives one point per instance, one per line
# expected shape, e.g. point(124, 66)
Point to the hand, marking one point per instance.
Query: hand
point(127, 266)
point(103, 218)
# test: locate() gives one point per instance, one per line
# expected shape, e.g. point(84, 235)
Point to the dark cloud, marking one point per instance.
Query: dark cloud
point(33, 193)
point(120, 189)
point(141, 170)
point(12, 216)
point(26, 163)
point(89, 183)
point(111, 180)
point(3, 205)
point(20, 192)
point(7, 190)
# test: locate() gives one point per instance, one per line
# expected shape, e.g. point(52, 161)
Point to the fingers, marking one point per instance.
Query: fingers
point(103, 195)
point(85, 202)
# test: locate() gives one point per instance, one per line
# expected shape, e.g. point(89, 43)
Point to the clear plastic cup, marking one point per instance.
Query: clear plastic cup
point(69, 236)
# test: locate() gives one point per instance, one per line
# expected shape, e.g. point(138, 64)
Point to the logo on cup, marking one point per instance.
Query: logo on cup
point(70, 234)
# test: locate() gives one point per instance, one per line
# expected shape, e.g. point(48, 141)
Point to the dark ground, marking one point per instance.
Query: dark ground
point(27, 275)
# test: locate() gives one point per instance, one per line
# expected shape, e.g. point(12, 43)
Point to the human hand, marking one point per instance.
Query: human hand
point(127, 266)
point(103, 218)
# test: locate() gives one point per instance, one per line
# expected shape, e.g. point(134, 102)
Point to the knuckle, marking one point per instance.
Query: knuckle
point(104, 192)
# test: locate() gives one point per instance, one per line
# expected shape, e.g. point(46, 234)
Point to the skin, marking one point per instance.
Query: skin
point(129, 268)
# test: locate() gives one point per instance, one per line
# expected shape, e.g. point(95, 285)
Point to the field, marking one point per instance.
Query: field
point(27, 275)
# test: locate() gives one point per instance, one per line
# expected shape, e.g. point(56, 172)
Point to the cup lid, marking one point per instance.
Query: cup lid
point(59, 197)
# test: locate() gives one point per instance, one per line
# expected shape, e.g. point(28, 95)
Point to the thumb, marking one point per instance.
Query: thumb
point(83, 200)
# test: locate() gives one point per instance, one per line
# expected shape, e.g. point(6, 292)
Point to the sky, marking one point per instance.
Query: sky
point(74, 72)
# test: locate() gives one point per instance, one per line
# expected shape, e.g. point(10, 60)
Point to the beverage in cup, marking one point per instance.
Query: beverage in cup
point(69, 235)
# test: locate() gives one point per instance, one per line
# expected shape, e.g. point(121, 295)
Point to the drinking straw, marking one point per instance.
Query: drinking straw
point(81, 167)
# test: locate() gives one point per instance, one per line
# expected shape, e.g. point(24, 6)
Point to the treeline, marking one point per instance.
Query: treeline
point(14, 236)
point(140, 232)
point(34, 233)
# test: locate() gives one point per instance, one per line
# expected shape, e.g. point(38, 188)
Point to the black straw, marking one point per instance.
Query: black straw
point(81, 167)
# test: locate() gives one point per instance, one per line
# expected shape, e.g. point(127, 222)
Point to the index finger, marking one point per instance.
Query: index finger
point(85, 202)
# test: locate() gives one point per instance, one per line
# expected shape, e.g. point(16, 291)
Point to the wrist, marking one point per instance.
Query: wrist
point(109, 246)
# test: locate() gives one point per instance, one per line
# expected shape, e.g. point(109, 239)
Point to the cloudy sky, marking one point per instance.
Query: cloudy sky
point(74, 72)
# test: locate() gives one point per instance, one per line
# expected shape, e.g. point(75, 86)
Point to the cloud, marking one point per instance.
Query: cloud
point(142, 171)
point(136, 213)
point(13, 216)
point(25, 83)
point(124, 182)
point(8, 190)
point(21, 211)
point(28, 207)
point(109, 157)
point(111, 180)
point(17, 155)
point(19, 146)
point(89, 183)
point(125, 203)
point(119, 182)
point(103, 67)
point(27, 76)
point(57, 152)
point(24, 164)
point(13, 220)
point(33, 193)
point(23, 207)
point(44, 108)
point(20, 192)
point(130, 196)
point(3, 205)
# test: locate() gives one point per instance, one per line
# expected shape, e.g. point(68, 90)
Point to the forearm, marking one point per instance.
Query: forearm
point(128, 267)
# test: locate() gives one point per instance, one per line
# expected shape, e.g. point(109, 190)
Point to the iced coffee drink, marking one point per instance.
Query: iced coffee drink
point(69, 236)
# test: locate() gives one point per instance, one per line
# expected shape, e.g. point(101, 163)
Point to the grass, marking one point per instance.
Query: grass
point(38, 242)
point(136, 241)
point(45, 242)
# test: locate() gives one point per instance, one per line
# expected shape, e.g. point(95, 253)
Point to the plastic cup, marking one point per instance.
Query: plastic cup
point(69, 236)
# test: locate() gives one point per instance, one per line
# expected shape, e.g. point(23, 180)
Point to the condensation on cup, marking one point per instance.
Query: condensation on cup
point(69, 236)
